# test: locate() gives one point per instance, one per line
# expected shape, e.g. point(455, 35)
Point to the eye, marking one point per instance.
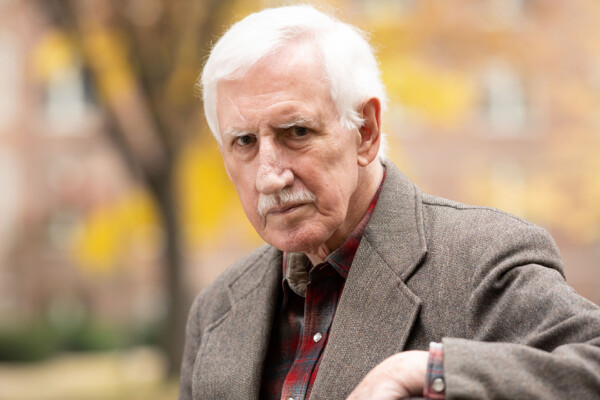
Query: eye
point(299, 131)
point(245, 140)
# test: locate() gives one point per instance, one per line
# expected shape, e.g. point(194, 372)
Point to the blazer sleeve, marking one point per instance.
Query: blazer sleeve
point(531, 335)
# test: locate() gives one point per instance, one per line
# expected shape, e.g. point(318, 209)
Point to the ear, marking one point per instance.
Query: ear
point(370, 132)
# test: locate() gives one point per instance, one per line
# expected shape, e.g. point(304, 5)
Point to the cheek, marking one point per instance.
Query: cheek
point(249, 203)
point(337, 194)
point(333, 182)
point(332, 198)
point(243, 179)
point(248, 197)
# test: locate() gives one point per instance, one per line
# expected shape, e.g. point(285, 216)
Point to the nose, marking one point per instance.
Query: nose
point(272, 175)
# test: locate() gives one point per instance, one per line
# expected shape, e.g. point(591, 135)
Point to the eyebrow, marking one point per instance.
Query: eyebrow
point(235, 132)
point(298, 121)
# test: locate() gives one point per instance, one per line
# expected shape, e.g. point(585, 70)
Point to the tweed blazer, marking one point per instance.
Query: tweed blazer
point(488, 285)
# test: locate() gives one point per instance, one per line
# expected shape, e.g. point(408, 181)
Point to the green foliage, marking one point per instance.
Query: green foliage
point(30, 342)
point(96, 337)
point(38, 341)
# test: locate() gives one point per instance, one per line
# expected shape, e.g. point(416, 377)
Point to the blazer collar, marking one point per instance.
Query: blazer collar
point(396, 228)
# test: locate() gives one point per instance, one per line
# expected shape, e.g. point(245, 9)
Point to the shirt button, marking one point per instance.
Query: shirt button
point(317, 337)
point(438, 385)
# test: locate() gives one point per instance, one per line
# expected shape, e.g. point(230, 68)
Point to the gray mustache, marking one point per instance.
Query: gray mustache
point(293, 195)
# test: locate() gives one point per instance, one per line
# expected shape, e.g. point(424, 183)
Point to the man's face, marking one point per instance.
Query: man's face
point(294, 167)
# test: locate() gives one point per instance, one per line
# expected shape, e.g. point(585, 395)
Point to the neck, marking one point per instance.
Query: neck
point(368, 182)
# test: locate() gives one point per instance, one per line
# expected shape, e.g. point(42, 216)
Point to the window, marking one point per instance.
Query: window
point(504, 100)
point(65, 101)
point(511, 12)
point(377, 8)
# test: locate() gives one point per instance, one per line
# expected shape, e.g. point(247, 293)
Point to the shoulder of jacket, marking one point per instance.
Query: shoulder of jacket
point(239, 267)
point(479, 227)
point(455, 211)
point(214, 298)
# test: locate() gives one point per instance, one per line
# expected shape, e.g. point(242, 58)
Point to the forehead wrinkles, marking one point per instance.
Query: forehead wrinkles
point(283, 86)
point(279, 115)
point(237, 110)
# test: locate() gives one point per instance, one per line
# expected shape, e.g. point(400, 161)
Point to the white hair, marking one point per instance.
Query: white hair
point(349, 61)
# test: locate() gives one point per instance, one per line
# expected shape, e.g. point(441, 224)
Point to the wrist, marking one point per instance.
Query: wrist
point(435, 384)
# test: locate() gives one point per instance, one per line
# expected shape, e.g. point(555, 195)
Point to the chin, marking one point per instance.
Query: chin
point(297, 242)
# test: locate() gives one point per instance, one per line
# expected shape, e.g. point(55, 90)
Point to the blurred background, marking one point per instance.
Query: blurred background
point(115, 208)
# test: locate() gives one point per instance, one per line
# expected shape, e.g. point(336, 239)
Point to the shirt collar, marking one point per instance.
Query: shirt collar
point(297, 265)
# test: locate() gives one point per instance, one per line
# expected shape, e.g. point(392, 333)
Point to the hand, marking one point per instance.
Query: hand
point(397, 377)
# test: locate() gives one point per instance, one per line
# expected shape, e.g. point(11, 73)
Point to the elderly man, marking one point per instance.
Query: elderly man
point(368, 288)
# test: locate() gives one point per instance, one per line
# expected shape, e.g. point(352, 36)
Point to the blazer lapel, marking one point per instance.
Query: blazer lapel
point(377, 310)
point(231, 358)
